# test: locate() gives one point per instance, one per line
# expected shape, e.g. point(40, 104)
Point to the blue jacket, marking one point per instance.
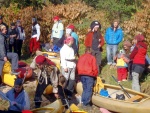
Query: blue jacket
point(113, 37)
point(75, 36)
point(23, 102)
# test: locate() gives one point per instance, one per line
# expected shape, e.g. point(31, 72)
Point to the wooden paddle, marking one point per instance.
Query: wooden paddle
point(126, 93)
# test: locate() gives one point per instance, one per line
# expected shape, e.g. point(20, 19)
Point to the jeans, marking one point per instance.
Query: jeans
point(87, 84)
point(135, 81)
point(111, 53)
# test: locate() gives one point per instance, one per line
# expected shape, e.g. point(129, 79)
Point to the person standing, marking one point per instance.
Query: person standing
point(113, 37)
point(2, 23)
point(20, 38)
point(68, 65)
point(4, 55)
point(95, 40)
point(57, 30)
point(34, 42)
point(138, 56)
point(88, 70)
point(13, 34)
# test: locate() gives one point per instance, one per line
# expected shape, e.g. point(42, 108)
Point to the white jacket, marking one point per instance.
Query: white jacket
point(67, 52)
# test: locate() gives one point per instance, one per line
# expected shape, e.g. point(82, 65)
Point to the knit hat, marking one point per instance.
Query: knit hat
point(139, 37)
point(95, 24)
point(68, 40)
point(18, 81)
point(127, 43)
point(40, 59)
point(71, 26)
point(56, 18)
point(68, 31)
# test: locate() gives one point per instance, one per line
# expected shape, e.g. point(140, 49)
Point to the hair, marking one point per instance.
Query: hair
point(62, 79)
point(88, 49)
point(2, 27)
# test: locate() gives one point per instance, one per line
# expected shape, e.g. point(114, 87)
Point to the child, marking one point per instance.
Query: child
point(121, 66)
point(88, 70)
point(13, 36)
point(138, 56)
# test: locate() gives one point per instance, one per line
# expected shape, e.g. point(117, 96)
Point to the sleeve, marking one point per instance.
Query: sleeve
point(2, 47)
point(52, 34)
point(102, 40)
point(61, 33)
point(38, 32)
point(134, 52)
point(107, 35)
point(86, 42)
point(119, 39)
point(94, 67)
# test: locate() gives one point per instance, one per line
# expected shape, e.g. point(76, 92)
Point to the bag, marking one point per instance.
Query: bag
point(104, 93)
point(120, 97)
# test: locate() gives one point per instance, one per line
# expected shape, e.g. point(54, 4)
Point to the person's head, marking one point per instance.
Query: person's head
point(68, 32)
point(127, 45)
point(56, 19)
point(40, 61)
point(62, 80)
point(18, 23)
point(3, 29)
point(34, 21)
point(139, 38)
point(1, 19)
point(69, 41)
point(71, 26)
point(88, 50)
point(13, 25)
point(18, 85)
point(95, 25)
point(115, 23)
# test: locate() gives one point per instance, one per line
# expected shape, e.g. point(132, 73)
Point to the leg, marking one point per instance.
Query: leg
point(119, 74)
point(55, 40)
point(14, 60)
point(31, 45)
point(15, 45)
point(124, 74)
point(84, 85)
point(88, 82)
point(19, 46)
point(135, 81)
point(98, 60)
point(130, 71)
point(10, 48)
point(114, 51)
point(109, 58)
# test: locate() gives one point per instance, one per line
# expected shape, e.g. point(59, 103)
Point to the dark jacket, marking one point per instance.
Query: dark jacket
point(3, 49)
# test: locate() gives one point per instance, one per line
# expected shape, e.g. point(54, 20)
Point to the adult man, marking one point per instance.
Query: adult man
point(47, 74)
point(95, 40)
point(4, 55)
point(34, 42)
point(113, 37)
point(57, 30)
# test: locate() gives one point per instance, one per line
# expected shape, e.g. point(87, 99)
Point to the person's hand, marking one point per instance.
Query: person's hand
point(56, 95)
point(13, 103)
point(66, 70)
point(99, 46)
point(37, 39)
point(5, 59)
point(99, 40)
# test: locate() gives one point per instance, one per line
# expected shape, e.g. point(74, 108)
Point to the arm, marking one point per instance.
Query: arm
point(134, 52)
point(63, 59)
point(107, 35)
point(2, 47)
point(101, 40)
point(61, 33)
point(52, 34)
point(120, 37)
point(94, 67)
point(38, 32)
point(61, 28)
point(87, 42)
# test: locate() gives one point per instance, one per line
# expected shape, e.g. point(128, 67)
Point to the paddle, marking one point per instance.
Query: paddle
point(4, 96)
point(126, 93)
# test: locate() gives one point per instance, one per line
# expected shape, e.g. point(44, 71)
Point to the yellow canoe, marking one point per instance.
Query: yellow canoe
point(121, 106)
point(57, 107)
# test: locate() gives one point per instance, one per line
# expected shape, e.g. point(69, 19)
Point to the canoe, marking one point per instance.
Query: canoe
point(55, 107)
point(120, 106)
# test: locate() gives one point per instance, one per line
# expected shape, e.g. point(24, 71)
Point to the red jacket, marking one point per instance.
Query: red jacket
point(89, 38)
point(139, 52)
point(87, 65)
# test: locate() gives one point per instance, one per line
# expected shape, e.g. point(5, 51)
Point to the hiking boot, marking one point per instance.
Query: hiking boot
point(13, 72)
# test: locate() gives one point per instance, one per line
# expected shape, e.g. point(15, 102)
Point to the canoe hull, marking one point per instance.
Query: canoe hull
point(119, 105)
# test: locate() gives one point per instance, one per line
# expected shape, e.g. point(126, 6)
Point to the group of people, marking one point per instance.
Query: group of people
point(130, 59)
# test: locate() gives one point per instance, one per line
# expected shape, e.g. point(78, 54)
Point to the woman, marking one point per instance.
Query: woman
point(18, 97)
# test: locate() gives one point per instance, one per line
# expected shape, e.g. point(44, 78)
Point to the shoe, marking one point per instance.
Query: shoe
point(13, 72)
point(124, 80)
